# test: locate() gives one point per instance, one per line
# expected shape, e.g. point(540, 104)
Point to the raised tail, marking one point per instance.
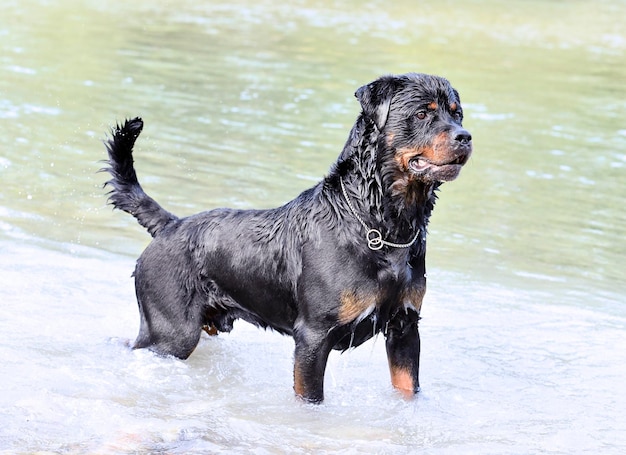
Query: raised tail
point(126, 193)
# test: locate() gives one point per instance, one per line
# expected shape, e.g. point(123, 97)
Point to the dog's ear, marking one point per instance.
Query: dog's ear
point(456, 95)
point(375, 99)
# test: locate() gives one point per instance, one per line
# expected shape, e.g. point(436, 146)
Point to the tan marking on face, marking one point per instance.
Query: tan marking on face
point(433, 106)
point(402, 178)
point(437, 152)
point(353, 305)
point(405, 154)
point(402, 381)
point(453, 107)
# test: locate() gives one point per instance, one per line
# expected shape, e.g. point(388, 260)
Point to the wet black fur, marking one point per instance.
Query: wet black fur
point(289, 268)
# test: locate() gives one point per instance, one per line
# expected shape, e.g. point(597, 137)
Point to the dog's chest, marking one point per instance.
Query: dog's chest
point(396, 285)
point(371, 308)
point(401, 284)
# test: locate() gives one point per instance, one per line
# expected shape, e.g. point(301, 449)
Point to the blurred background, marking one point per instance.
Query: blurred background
point(245, 105)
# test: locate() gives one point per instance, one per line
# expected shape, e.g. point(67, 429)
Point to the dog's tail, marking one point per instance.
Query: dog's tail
point(127, 194)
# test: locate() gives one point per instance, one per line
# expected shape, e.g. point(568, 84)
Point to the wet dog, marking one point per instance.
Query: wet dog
point(340, 263)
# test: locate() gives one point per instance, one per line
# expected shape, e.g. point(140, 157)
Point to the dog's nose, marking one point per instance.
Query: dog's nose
point(463, 136)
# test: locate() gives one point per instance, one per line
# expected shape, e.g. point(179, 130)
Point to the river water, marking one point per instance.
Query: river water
point(246, 104)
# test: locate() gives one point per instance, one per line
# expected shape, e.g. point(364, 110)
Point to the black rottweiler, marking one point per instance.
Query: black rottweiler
point(340, 263)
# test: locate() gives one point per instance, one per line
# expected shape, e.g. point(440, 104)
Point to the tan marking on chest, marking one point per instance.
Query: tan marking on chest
point(414, 296)
point(353, 304)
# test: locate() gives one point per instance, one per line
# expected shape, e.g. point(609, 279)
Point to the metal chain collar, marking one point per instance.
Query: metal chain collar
point(374, 238)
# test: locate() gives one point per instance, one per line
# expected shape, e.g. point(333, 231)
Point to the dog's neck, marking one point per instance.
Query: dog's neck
point(398, 207)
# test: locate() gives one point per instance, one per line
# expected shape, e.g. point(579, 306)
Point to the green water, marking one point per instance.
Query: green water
point(246, 104)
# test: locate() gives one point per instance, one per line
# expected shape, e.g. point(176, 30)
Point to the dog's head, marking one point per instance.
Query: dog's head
point(419, 119)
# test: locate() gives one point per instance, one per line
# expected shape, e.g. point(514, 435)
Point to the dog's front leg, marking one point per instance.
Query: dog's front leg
point(403, 351)
point(311, 355)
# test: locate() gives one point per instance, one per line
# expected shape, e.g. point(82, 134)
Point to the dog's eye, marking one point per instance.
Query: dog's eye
point(421, 115)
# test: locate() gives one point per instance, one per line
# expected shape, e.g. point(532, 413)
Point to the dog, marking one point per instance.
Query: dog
point(342, 262)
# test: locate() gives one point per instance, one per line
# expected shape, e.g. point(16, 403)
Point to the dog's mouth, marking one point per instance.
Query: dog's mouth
point(425, 169)
point(420, 164)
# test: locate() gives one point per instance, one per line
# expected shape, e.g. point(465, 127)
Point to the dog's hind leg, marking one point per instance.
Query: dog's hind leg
point(166, 333)
point(210, 329)
point(171, 315)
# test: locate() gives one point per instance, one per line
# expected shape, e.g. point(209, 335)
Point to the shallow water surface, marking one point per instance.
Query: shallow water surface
point(248, 103)
point(497, 378)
